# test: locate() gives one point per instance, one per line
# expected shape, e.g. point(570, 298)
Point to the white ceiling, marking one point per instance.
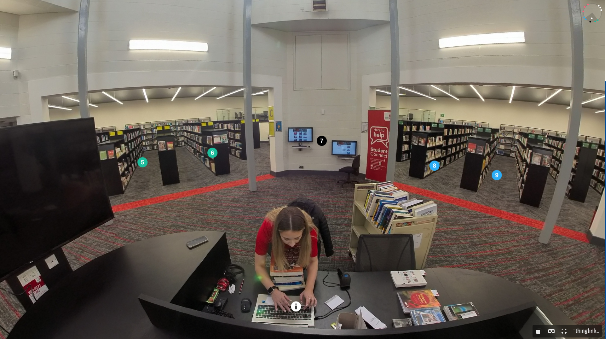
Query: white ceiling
point(500, 92)
point(22, 7)
point(152, 93)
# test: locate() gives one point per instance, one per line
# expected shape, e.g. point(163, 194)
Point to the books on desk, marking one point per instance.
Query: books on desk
point(419, 299)
point(460, 311)
point(426, 316)
point(287, 280)
point(412, 278)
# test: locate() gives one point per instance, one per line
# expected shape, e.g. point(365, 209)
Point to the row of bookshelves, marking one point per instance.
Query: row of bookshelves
point(451, 135)
point(199, 139)
point(478, 158)
point(119, 152)
point(533, 161)
point(237, 136)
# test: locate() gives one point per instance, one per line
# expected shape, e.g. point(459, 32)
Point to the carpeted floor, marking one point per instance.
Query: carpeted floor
point(503, 194)
point(567, 272)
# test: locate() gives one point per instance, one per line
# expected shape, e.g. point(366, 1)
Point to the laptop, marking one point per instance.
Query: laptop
point(267, 314)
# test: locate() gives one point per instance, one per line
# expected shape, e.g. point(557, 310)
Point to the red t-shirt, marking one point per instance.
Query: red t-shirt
point(291, 253)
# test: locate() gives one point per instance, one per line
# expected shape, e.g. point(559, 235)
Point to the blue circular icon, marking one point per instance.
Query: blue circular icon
point(142, 162)
point(434, 165)
point(497, 175)
point(212, 153)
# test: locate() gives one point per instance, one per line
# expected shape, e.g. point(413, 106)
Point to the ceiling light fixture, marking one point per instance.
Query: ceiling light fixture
point(551, 96)
point(177, 92)
point(111, 97)
point(386, 92)
point(478, 93)
point(76, 100)
point(5, 53)
point(59, 107)
point(145, 95)
point(203, 94)
point(590, 100)
point(482, 39)
point(228, 94)
point(512, 91)
point(602, 111)
point(443, 91)
point(259, 93)
point(410, 90)
point(168, 45)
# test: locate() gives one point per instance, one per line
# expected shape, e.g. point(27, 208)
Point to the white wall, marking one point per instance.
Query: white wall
point(496, 112)
point(9, 88)
point(132, 112)
point(597, 227)
point(264, 131)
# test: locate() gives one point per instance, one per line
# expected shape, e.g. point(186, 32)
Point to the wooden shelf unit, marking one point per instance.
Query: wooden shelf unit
point(423, 227)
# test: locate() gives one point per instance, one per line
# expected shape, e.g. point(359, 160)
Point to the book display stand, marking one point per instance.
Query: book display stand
point(582, 171)
point(480, 152)
point(506, 141)
point(597, 178)
point(200, 137)
point(167, 155)
point(422, 228)
point(119, 156)
point(236, 134)
point(533, 161)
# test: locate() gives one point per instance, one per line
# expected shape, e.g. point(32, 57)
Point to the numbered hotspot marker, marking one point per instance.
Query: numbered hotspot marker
point(497, 175)
point(212, 153)
point(434, 165)
point(296, 306)
point(322, 140)
point(142, 162)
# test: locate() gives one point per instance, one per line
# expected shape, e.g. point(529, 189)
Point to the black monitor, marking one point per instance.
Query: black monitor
point(344, 147)
point(51, 189)
point(300, 134)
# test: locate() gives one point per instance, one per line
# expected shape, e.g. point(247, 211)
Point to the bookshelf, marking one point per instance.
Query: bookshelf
point(506, 141)
point(533, 161)
point(236, 134)
point(597, 180)
point(481, 149)
point(167, 156)
point(200, 137)
point(403, 146)
point(119, 156)
point(423, 228)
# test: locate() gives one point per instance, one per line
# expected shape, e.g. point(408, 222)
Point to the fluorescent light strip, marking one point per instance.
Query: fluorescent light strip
point(482, 39)
point(203, 94)
point(174, 96)
point(116, 100)
point(382, 91)
point(590, 100)
point(145, 95)
point(259, 93)
point(228, 94)
point(602, 111)
point(512, 91)
point(76, 100)
point(551, 96)
point(59, 107)
point(5, 53)
point(478, 93)
point(168, 45)
point(443, 91)
point(410, 90)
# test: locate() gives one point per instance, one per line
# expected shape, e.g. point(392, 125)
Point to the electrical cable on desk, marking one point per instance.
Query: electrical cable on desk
point(338, 308)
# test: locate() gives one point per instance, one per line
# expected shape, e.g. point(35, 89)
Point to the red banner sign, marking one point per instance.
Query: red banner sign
point(378, 144)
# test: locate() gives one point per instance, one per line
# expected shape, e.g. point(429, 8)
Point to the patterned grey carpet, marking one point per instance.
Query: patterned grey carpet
point(503, 194)
point(568, 273)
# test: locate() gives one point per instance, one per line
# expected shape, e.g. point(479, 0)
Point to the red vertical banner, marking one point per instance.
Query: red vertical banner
point(378, 144)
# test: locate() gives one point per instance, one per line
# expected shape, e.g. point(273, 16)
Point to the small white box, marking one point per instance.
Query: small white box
point(538, 331)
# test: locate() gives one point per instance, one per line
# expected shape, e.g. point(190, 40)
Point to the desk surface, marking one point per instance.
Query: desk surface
point(99, 300)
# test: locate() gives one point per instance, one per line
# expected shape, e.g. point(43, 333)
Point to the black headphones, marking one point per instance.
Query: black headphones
point(232, 271)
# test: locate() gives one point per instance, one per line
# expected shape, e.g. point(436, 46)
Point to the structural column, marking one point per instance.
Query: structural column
point(82, 45)
point(576, 36)
point(250, 145)
point(395, 83)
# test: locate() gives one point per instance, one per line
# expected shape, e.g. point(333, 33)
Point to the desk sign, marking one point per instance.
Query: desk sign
point(568, 331)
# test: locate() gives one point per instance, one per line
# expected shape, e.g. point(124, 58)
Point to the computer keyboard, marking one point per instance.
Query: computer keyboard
point(269, 312)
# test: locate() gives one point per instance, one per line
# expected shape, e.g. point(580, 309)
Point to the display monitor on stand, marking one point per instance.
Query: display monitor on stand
point(300, 135)
point(345, 149)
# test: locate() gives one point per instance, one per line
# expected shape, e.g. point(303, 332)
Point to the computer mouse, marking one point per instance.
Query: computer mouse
point(245, 305)
point(220, 303)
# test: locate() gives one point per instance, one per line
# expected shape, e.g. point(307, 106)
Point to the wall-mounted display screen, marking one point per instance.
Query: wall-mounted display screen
point(300, 134)
point(344, 147)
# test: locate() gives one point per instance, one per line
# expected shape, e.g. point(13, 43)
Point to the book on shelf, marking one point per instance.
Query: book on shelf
point(418, 299)
point(480, 150)
point(471, 147)
point(103, 155)
point(427, 316)
point(411, 278)
point(422, 141)
point(161, 145)
point(110, 154)
point(546, 160)
point(460, 311)
point(536, 159)
point(169, 145)
point(415, 140)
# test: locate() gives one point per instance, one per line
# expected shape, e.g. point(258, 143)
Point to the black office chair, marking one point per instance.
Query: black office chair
point(353, 169)
point(385, 252)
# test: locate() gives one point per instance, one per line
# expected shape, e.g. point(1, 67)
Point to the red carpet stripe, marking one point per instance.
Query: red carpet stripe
point(185, 194)
point(493, 211)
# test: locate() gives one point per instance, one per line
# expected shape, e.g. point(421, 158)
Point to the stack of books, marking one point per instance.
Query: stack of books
point(288, 280)
point(423, 307)
point(412, 278)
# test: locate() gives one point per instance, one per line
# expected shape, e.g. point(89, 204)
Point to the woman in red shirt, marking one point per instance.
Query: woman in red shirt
point(294, 241)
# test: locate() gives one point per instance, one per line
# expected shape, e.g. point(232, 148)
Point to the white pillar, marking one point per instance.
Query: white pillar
point(597, 226)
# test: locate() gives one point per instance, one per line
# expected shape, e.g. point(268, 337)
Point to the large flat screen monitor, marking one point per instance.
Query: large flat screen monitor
point(51, 189)
point(300, 134)
point(344, 147)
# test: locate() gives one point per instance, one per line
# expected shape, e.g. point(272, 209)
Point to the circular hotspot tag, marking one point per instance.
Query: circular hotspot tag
point(497, 175)
point(296, 306)
point(212, 153)
point(322, 140)
point(434, 165)
point(142, 162)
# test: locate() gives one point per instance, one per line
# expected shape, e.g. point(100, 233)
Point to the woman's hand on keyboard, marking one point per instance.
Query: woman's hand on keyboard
point(281, 300)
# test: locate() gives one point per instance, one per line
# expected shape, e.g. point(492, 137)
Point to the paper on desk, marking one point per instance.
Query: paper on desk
point(370, 318)
point(334, 302)
point(269, 300)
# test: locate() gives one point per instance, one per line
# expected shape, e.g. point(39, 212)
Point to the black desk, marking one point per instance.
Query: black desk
point(99, 300)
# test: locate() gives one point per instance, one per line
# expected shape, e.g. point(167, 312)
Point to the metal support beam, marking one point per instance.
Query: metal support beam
point(576, 35)
point(248, 126)
point(395, 83)
point(82, 71)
